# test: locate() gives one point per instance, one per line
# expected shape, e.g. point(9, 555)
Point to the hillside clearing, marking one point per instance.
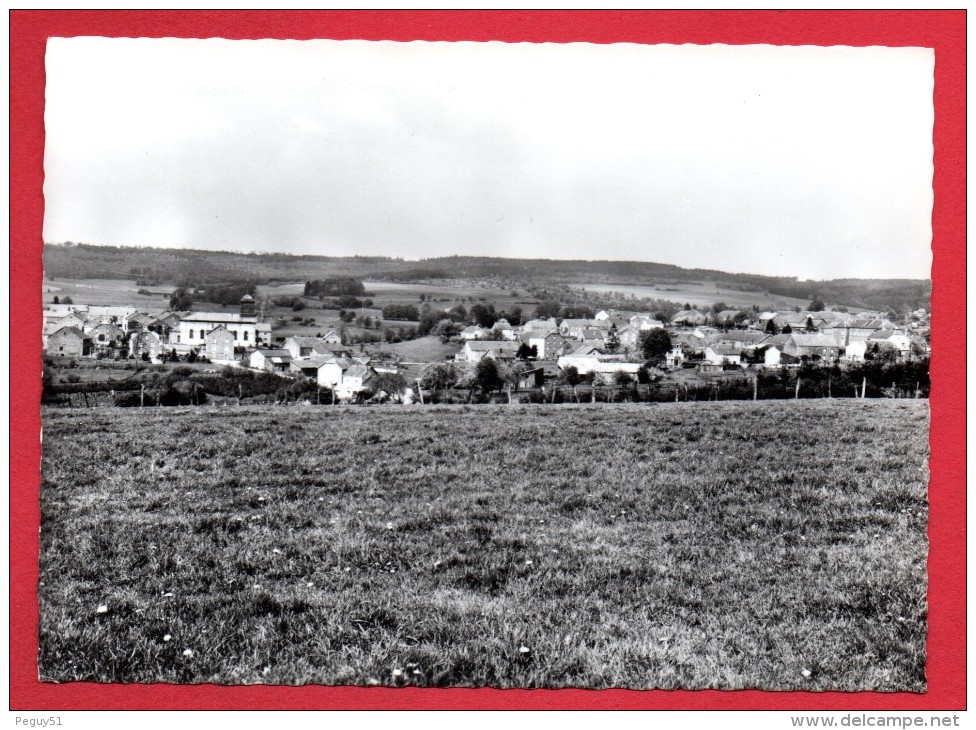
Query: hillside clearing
point(778, 545)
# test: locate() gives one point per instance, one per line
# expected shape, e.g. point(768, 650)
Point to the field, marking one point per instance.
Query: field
point(778, 545)
point(701, 294)
point(107, 292)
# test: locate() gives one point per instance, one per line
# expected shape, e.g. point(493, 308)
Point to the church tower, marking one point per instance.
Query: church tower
point(247, 306)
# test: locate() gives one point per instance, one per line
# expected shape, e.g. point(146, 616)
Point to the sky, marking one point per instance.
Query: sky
point(798, 161)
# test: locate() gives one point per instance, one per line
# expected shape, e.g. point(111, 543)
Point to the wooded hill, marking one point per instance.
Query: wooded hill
point(193, 267)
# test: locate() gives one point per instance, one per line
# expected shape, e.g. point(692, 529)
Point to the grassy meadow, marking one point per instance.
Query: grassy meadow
point(776, 545)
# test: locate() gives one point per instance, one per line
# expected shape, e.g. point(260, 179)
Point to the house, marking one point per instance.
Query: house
point(299, 347)
point(603, 315)
point(72, 319)
point(548, 345)
point(896, 338)
point(263, 333)
point(474, 332)
point(855, 351)
point(270, 360)
point(105, 335)
point(573, 328)
point(814, 346)
point(219, 344)
point(69, 341)
point(194, 327)
point(674, 358)
point(688, 318)
point(531, 377)
point(628, 336)
point(332, 337)
point(645, 322)
point(138, 320)
point(145, 344)
point(727, 317)
point(719, 354)
point(475, 350)
point(740, 339)
point(503, 329)
point(540, 325)
point(354, 380)
point(313, 367)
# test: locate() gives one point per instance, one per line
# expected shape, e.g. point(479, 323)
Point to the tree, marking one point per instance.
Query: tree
point(483, 315)
point(787, 330)
point(816, 305)
point(298, 305)
point(488, 376)
point(56, 300)
point(547, 309)
point(571, 377)
point(613, 339)
point(643, 375)
point(771, 328)
point(810, 326)
point(67, 300)
point(654, 345)
point(180, 299)
point(577, 312)
point(719, 307)
point(438, 376)
point(524, 352)
point(392, 383)
point(622, 378)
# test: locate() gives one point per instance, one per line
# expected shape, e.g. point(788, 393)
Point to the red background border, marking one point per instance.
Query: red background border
point(942, 30)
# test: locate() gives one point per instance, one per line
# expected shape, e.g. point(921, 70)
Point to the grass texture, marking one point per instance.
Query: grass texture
point(775, 545)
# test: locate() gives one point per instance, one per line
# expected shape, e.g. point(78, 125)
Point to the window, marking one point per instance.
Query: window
point(234, 332)
point(245, 335)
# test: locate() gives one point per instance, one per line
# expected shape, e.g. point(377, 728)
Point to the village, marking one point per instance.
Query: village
point(611, 348)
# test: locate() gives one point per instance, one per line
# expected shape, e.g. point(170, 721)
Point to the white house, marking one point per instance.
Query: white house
point(299, 347)
point(270, 360)
point(193, 329)
point(723, 355)
point(475, 350)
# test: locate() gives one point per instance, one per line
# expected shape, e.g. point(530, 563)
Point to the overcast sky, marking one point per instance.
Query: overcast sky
point(810, 162)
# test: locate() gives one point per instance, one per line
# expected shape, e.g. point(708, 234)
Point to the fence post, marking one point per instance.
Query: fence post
point(916, 389)
point(755, 388)
point(797, 395)
point(864, 387)
point(142, 395)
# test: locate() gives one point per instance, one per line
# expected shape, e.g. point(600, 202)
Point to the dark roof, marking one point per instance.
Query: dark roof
point(70, 330)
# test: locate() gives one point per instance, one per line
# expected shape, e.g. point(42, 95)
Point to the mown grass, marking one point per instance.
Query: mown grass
point(778, 545)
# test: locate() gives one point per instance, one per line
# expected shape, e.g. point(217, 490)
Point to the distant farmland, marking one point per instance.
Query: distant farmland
point(777, 544)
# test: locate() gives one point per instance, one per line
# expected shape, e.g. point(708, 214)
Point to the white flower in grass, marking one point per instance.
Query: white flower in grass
point(276, 551)
point(528, 562)
point(397, 673)
point(188, 653)
point(168, 594)
point(524, 650)
point(806, 673)
point(389, 525)
point(168, 637)
point(102, 609)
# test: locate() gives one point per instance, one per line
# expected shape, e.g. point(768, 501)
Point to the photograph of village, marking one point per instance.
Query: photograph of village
point(464, 365)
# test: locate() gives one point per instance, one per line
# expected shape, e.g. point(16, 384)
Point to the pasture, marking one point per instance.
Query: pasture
point(777, 545)
point(107, 292)
point(700, 294)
